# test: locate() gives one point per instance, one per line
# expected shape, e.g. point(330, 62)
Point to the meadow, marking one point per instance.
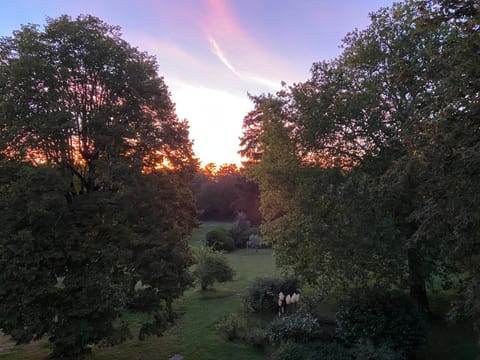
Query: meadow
point(194, 335)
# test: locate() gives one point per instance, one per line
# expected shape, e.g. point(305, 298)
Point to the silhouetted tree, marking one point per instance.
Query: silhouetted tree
point(94, 186)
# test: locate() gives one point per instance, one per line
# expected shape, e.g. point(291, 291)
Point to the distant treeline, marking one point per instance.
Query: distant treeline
point(223, 193)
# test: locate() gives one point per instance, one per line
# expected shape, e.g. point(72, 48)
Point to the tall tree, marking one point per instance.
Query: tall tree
point(451, 178)
point(94, 189)
point(385, 138)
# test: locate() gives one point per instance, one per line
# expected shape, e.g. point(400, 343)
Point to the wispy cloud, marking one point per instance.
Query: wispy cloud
point(244, 75)
point(219, 53)
point(258, 67)
point(164, 49)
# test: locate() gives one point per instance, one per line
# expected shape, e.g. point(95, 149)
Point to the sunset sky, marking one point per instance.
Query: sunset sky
point(213, 52)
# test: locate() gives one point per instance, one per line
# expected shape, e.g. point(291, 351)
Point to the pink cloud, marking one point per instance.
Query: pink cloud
point(238, 49)
point(221, 21)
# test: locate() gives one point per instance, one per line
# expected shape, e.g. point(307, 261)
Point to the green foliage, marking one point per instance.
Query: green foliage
point(367, 351)
point(232, 327)
point(224, 193)
point(384, 319)
point(241, 231)
point(257, 337)
point(313, 351)
point(293, 351)
point(262, 294)
point(220, 239)
point(370, 168)
point(85, 213)
point(333, 351)
point(211, 266)
point(215, 195)
point(298, 327)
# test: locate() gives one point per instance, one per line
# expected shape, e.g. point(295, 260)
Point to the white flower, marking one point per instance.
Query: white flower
point(288, 299)
point(293, 299)
point(281, 296)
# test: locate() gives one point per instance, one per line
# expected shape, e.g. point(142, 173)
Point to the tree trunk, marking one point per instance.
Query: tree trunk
point(416, 280)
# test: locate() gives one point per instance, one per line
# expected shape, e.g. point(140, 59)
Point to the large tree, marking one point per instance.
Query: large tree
point(95, 205)
point(373, 160)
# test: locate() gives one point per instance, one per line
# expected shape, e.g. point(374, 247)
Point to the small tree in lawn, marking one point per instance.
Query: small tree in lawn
point(212, 266)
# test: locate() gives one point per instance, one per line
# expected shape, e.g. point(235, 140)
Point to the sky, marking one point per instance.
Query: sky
point(213, 53)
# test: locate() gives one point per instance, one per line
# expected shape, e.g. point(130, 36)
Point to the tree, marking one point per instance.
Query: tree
point(224, 193)
point(219, 239)
point(372, 161)
point(94, 190)
point(452, 175)
point(211, 266)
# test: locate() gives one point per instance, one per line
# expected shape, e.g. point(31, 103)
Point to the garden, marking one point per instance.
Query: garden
point(239, 320)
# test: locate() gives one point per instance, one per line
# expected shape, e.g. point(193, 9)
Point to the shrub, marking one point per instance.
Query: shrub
point(262, 295)
point(332, 351)
point(241, 231)
point(312, 300)
point(220, 239)
point(381, 318)
point(313, 351)
point(232, 327)
point(211, 267)
point(367, 351)
point(293, 351)
point(296, 327)
point(257, 337)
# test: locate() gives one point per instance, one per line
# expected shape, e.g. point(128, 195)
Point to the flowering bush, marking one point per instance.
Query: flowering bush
point(297, 327)
point(262, 295)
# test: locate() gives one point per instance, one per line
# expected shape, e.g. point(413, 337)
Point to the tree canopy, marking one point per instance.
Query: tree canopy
point(95, 203)
point(226, 194)
point(369, 168)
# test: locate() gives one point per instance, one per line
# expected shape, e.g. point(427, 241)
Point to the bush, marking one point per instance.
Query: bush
point(262, 295)
point(301, 328)
point(332, 351)
point(257, 337)
point(367, 351)
point(211, 267)
point(241, 231)
point(293, 351)
point(232, 327)
point(313, 351)
point(220, 239)
point(389, 319)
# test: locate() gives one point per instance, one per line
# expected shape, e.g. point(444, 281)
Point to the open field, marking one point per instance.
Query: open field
point(194, 335)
